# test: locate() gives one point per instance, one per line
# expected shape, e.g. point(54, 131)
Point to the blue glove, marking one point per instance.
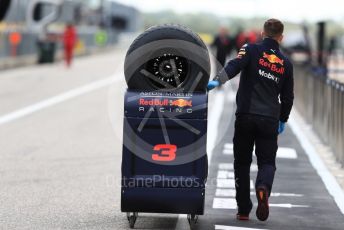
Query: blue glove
point(213, 84)
point(281, 127)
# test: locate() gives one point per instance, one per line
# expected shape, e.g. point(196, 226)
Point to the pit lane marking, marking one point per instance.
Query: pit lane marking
point(223, 174)
point(213, 124)
point(225, 190)
point(282, 152)
point(224, 203)
point(230, 203)
point(330, 182)
point(28, 110)
point(229, 166)
point(288, 206)
point(224, 227)
point(229, 183)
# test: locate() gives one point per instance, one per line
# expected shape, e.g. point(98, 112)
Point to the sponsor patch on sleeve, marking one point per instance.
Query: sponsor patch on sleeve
point(242, 51)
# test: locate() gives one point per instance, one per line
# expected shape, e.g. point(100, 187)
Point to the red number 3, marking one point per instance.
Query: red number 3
point(167, 152)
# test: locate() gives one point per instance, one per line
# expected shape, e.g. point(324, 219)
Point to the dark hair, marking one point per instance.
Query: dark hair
point(70, 23)
point(273, 28)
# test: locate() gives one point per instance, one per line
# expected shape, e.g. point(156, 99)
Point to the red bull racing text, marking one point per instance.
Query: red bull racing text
point(165, 105)
point(271, 63)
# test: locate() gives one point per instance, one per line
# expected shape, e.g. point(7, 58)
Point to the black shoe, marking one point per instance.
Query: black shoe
point(244, 215)
point(263, 203)
point(241, 216)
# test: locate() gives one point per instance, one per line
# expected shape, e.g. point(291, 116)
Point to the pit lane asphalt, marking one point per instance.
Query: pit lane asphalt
point(60, 166)
point(297, 184)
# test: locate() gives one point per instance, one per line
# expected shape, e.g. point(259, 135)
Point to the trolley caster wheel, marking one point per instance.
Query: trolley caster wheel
point(132, 216)
point(192, 219)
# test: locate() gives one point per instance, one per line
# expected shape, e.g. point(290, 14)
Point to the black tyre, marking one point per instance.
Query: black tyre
point(167, 57)
point(4, 4)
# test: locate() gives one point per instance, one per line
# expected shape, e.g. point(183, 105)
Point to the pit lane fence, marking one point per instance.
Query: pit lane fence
point(320, 101)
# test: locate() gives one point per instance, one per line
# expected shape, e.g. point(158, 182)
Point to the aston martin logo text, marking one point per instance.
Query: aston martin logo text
point(268, 75)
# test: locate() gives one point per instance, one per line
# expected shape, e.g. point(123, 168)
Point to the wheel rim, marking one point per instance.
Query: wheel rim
point(168, 68)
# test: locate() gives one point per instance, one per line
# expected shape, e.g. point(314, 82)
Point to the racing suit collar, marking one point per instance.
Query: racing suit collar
point(271, 43)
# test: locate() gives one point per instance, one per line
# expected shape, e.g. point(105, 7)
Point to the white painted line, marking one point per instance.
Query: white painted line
point(213, 127)
point(214, 121)
point(228, 152)
point(224, 203)
point(228, 146)
point(286, 153)
point(224, 227)
point(228, 149)
point(26, 111)
point(225, 192)
point(288, 206)
point(328, 179)
point(277, 194)
point(230, 166)
point(225, 174)
point(182, 223)
point(226, 166)
point(225, 183)
point(231, 95)
point(254, 168)
point(230, 183)
point(252, 185)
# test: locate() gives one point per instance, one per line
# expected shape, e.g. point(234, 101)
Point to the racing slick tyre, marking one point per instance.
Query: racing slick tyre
point(167, 57)
point(4, 4)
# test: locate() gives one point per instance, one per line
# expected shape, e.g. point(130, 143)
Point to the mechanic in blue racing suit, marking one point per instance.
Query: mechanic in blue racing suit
point(264, 101)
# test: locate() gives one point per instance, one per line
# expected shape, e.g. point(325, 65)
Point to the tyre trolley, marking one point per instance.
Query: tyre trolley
point(164, 159)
